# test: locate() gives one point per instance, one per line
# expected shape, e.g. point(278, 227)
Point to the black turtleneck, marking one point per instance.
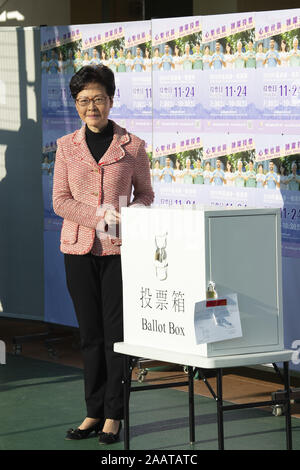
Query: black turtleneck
point(98, 142)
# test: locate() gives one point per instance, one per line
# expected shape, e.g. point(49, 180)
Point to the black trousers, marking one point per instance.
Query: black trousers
point(95, 286)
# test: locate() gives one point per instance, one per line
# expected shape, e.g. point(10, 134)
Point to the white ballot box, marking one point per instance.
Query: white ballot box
point(169, 257)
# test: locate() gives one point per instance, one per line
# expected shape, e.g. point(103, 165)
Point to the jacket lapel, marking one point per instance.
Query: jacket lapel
point(114, 153)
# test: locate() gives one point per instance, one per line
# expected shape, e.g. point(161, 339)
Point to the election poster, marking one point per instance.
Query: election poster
point(176, 72)
point(277, 36)
point(229, 93)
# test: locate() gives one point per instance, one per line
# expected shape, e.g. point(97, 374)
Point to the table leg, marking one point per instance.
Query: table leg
point(191, 405)
point(220, 410)
point(287, 406)
point(126, 390)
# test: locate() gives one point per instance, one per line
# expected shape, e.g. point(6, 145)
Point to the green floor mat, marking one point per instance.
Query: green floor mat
point(40, 400)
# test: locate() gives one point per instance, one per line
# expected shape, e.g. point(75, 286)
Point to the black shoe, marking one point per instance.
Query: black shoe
point(77, 434)
point(109, 437)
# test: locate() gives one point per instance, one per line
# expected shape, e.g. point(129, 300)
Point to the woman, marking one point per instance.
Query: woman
point(44, 63)
point(284, 181)
point(156, 172)
point(112, 61)
point(177, 59)
point(86, 59)
point(229, 176)
point(61, 62)
point(69, 65)
point(156, 60)
point(104, 61)
point(147, 61)
point(260, 56)
point(206, 59)
point(178, 172)
point(95, 169)
point(129, 61)
point(260, 177)
point(284, 54)
point(228, 57)
point(207, 174)
point(77, 61)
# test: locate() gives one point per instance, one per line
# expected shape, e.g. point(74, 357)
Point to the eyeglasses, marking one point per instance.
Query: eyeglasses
point(98, 101)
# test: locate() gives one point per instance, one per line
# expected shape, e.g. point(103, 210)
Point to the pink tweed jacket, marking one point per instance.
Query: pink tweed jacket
point(83, 189)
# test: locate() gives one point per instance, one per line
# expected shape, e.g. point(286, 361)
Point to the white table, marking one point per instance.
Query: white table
point(196, 362)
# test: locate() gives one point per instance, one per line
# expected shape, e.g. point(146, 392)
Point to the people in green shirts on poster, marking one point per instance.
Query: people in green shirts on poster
point(177, 58)
point(239, 56)
point(250, 176)
point(197, 58)
point(229, 175)
point(284, 55)
point(167, 174)
point(121, 67)
point(239, 178)
point(198, 173)
point(218, 175)
point(187, 59)
point(95, 60)
point(62, 63)
point(272, 56)
point(260, 56)
point(156, 172)
point(250, 58)
point(44, 63)
point(283, 178)
point(229, 57)
point(295, 54)
point(272, 178)
point(293, 178)
point(112, 61)
point(147, 61)
point(53, 66)
point(129, 61)
point(77, 61)
point(104, 60)
point(188, 172)
point(138, 61)
point(156, 60)
point(217, 59)
point(178, 172)
point(260, 177)
point(207, 174)
point(167, 59)
point(206, 59)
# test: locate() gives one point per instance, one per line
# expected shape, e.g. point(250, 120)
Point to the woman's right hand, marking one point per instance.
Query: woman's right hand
point(112, 217)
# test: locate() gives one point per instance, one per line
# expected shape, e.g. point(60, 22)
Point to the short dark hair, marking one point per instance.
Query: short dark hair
point(93, 74)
